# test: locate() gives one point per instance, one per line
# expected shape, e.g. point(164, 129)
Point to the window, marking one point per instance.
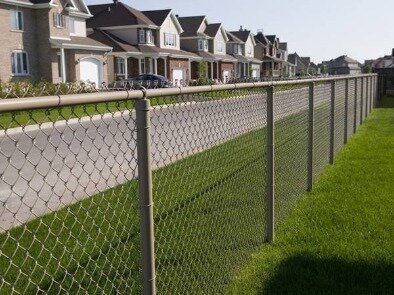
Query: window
point(19, 63)
point(58, 20)
point(235, 48)
point(220, 46)
point(169, 39)
point(149, 37)
point(72, 25)
point(203, 45)
point(141, 36)
point(120, 66)
point(249, 50)
point(16, 20)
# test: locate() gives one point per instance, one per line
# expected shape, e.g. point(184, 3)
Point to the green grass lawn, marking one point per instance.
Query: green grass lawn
point(209, 219)
point(338, 239)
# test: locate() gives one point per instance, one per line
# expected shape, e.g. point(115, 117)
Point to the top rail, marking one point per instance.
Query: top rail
point(22, 104)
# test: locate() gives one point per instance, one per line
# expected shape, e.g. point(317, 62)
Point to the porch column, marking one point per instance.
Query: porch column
point(63, 65)
point(165, 68)
point(155, 66)
point(245, 75)
point(217, 71)
point(190, 70)
point(139, 66)
point(126, 70)
point(212, 70)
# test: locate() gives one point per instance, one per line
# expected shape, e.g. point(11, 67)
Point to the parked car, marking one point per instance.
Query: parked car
point(148, 81)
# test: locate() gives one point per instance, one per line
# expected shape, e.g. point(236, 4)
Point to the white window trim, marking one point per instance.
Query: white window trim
point(170, 39)
point(202, 45)
point(71, 21)
point(15, 12)
point(120, 60)
point(149, 37)
point(59, 24)
point(220, 46)
point(15, 62)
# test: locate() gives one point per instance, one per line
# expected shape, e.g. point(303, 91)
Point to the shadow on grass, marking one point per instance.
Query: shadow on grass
point(386, 102)
point(305, 274)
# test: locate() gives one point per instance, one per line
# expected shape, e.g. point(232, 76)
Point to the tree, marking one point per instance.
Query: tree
point(202, 73)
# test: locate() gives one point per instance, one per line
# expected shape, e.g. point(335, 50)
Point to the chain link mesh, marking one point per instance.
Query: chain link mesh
point(69, 202)
point(291, 146)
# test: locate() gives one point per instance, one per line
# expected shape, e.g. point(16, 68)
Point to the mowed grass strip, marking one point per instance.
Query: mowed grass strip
point(339, 239)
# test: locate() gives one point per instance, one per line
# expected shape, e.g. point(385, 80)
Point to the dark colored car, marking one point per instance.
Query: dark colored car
point(148, 81)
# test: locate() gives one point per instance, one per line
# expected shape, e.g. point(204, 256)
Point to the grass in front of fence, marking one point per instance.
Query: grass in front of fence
point(339, 238)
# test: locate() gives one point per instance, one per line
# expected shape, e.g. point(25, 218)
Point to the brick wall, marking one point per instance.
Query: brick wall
point(174, 63)
point(226, 66)
point(10, 41)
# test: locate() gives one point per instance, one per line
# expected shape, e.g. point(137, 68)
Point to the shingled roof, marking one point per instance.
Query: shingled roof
point(212, 29)
point(242, 35)
point(261, 38)
point(232, 38)
point(157, 16)
point(271, 38)
point(116, 14)
point(190, 26)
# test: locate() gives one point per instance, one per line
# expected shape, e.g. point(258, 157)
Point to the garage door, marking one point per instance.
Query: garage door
point(90, 70)
point(178, 77)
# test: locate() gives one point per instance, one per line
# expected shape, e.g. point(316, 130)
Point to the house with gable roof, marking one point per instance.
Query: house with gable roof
point(241, 45)
point(208, 41)
point(143, 42)
point(47, 40)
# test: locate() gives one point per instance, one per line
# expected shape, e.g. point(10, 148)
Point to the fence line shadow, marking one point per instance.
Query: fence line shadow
point(306, 274)
point(387, 102)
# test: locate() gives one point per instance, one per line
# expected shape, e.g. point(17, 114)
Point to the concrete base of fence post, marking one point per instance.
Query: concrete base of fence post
point(142, 108)
point(270, 193)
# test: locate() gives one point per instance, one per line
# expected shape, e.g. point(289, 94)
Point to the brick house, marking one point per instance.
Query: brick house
point(46, 40)
point(241, 45)
point(208, 41)
point(143, 42)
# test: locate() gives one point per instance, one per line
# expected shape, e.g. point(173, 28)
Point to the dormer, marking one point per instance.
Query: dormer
point(194, 37)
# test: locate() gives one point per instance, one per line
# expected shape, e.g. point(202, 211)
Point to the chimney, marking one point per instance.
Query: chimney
point(240, 28)
point(116, 1)
point(260, 32)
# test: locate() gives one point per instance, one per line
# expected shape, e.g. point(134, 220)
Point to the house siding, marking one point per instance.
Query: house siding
point(177, 63)
point(10, 41)
point(168, 26)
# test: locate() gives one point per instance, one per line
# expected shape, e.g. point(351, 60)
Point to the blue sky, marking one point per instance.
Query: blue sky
point(321, 29)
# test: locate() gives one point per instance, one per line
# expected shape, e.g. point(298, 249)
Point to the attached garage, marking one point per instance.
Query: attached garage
point(91, 70)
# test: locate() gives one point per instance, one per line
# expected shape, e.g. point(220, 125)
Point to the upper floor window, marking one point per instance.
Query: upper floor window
point(19, 63)
point(203, 45)
point(58, 20)
point(249, 49)
point(16, 20)
point(169, 39)
point(237, 49)
point(72, 25)
point(149, 37)
point(141, 36)
point(220, 46)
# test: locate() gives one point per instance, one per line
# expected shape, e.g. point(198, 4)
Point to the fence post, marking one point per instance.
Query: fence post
point(311, 112)
point(371, 94)
point(142, 108)
point(355, 105)
point(362, 100)
point(332, 122)
point(270, 222)
point(346, 110)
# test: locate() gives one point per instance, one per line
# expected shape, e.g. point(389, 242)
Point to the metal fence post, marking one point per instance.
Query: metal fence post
point(371, 94)
point(142, 108)
point(311, 135)
point(332, 122)
point(270, 222)
point(355, 105)
point(346, 110)
point(362, 100)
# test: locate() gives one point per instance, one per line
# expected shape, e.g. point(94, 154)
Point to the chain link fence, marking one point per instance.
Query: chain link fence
point(130, 191)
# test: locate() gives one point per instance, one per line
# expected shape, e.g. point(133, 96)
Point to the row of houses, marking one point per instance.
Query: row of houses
point(66, 40)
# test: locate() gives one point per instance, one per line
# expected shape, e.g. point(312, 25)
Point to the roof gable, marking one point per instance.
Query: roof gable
point(191, 26)
point(116, 14)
